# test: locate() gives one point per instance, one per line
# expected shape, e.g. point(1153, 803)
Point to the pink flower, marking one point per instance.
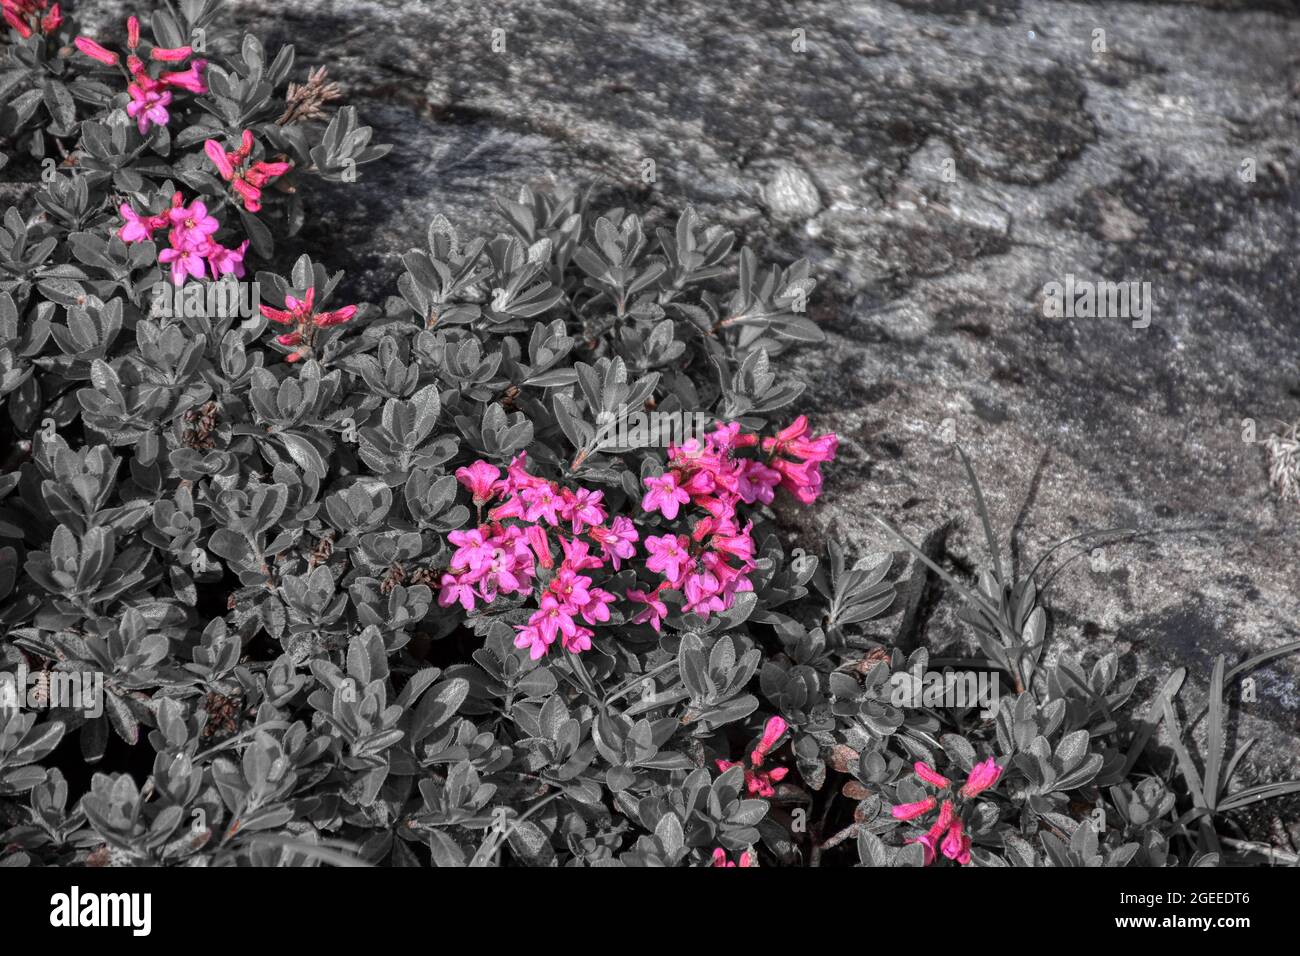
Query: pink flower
point(758, 783)
point(668, 554)
point(793, 440)
point(336, 317)
point(578, 641)
point(225, 261)
point(454, 590)
point(260, 173)
point(576, 554)
point(982, 776)
point(191, 226)
point(513, 507)
point(596, 610)
point(757, 482)
point(553, 618)
point(664, 495)
point(190, 240)
point(772, 731)
point(250, 194)
point(505, 572)
point(51, 21)
point(138, 228)
point(93, 50)
point(585, 509)
point(570, 588)
point(190, 80)
point(946, 835)
point(655, 610)
point(12, 19)
point(219, 159)
point(499, 562)
point(535, 639)
point(947, 813)
point(910, 811)
point(150, 96)
point(704, 593)
point(299, 312)
point(26, 16)
point(617, 542)
point(517, 541)
point(927, 847)
point(541, 501)
point(802, 479)
point(701, 482)
point(956, 845)
point(709, 567)
point(184, 262)
point(295, 312)
point(479, 479)
point(247, 182)
point(148, 107)
point(170, 54)
point(737, 545)
point(737, 583)
point(929, 775)
point(537, 540)
point(722, 524)
point(473, 552)
point(722, 508)
point(728, 437)
point(517, 476)
point(720, 859)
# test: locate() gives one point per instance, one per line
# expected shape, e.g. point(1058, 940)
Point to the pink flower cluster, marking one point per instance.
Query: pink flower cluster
point(760, 782)
point(709, 566)
point(497, 558)
point(29, 16)
point(150, 95)
point(712, 477)
point(245, 180)
point(300, 313)
point(720, 859)
point(802, 478)
point(191, 251)
point(947, 835)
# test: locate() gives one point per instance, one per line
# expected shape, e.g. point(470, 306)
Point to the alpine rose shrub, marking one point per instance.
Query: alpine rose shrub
point(372, 578)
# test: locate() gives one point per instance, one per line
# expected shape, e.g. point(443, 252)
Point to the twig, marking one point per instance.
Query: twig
point(850, 832)
point(816, 857)
point(1272, 853)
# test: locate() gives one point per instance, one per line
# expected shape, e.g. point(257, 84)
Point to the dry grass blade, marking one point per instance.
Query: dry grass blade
point(1214, 736)
point(989, 537)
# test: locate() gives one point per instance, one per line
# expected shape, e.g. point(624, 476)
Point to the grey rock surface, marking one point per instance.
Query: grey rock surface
point(939, 161)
